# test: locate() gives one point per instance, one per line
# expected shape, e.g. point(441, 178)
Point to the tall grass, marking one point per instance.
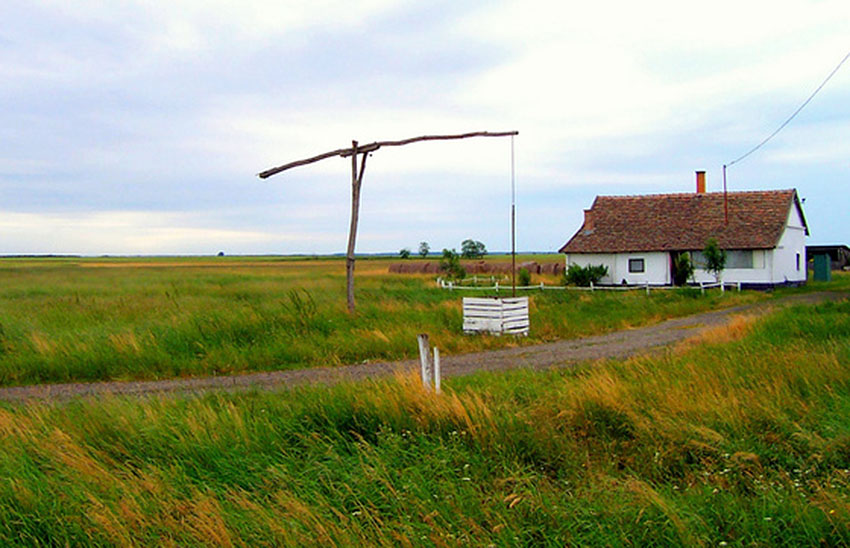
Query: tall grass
point(738, 436)
point(97, 319)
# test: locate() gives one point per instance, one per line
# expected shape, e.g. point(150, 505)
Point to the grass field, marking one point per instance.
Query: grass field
point(738, 437)
point(94, 319)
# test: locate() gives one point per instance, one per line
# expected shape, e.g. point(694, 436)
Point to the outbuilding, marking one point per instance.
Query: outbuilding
point(638, 237)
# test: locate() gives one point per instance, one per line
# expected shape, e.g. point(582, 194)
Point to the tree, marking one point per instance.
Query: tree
point(683, 269)
point(450, 264)
point(472, 249)
point(424, 249)
point(715, 258)
point(404, 253)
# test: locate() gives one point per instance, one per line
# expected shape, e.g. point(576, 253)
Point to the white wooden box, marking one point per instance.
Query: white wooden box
point(495, 315)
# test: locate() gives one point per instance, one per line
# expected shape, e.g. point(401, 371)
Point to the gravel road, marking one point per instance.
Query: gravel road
point(619, 344)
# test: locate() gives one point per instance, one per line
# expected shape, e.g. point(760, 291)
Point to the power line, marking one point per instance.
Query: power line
point(796, 112)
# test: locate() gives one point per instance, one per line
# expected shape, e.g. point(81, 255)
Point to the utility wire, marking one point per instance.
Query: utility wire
point(796, 112)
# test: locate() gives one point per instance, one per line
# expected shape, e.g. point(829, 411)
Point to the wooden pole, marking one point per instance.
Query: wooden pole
point(513, 223)
point(356, 182)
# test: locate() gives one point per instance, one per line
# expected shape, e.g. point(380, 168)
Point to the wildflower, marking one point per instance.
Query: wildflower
point(465, 478)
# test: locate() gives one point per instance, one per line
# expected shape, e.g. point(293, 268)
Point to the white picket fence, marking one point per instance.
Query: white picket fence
point(452, 285)
point(496, 315)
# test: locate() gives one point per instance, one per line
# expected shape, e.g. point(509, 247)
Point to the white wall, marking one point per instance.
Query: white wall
point(791, 245)
point(656, 266)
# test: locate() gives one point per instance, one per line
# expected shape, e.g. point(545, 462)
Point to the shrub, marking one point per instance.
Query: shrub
point(524, 277)
point(715, 258)
point(582, 276)
point(683, 269)
point(450, 264)
point(404, 253)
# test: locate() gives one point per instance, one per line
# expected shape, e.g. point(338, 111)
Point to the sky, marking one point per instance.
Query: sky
point(138, 127)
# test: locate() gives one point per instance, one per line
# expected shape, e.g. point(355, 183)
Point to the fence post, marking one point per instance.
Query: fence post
point(591, 286)
point(722, 287)
point(739, 287)
point(424, 360)
point(647, 288)
point(541, 286)
point(497, 287)
point(702, 288)
point(436, 370)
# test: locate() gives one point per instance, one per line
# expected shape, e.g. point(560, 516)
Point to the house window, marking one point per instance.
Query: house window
point(739, 258)
point(636, 265)
point(735, 258)
point(798, 262)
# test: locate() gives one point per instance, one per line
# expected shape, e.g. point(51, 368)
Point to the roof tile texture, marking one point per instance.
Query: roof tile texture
point(678, 222)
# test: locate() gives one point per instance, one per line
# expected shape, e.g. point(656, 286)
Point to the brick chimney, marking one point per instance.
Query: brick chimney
point(588, 219)
point(700, 182)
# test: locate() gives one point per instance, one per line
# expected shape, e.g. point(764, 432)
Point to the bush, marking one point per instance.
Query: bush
point(582, 276)
point(683, 269)
point(404, 253)
point(524, 277)
point(450, 264)
point(715, 258)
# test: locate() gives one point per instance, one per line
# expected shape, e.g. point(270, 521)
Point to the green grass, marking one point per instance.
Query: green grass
point(739, 436)
point(66, 319)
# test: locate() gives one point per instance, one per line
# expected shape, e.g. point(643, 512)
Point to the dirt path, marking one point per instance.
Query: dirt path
point(619, 344)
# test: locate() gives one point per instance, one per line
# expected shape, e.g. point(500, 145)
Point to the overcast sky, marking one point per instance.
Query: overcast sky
point(139, 127)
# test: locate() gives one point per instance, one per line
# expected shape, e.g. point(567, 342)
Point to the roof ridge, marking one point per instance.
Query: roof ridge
point(691, 194)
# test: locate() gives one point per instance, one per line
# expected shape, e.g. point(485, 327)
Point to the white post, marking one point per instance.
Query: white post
point(541, 286)
point(437, 370)
point(647, 288)
point(722, 287)
point(497, 287)
point(591, 286)
point(424, 360)
point(739, 287)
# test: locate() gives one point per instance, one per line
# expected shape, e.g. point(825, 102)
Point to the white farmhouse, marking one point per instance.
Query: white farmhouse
point(637, 237)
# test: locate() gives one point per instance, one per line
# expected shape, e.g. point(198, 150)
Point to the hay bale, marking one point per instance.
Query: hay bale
point(531, 266)
point(395, 268)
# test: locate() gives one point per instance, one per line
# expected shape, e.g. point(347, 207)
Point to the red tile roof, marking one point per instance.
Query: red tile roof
point(679, 222)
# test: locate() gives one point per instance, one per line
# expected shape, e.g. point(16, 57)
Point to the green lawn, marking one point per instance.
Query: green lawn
point(93, 319)
point(738, 437)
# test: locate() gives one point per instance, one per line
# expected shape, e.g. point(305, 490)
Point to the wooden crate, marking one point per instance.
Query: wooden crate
point(495, 315)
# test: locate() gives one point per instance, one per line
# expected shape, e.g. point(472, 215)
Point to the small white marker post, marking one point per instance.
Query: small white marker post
point(424, 359)
point(429, 369)
point(437, 370)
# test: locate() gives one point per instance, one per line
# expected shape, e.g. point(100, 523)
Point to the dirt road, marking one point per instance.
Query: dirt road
point(619, 344)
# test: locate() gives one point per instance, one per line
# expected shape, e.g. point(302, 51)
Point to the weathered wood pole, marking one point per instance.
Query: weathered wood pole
point(356, 181)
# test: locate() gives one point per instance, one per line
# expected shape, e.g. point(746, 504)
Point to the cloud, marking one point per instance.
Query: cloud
point(169, 110)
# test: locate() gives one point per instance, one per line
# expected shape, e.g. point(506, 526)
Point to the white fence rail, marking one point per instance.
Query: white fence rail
point(452, 286)
point(496, 315)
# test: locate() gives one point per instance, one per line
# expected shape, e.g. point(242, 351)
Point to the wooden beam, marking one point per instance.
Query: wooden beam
point(372, 147)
